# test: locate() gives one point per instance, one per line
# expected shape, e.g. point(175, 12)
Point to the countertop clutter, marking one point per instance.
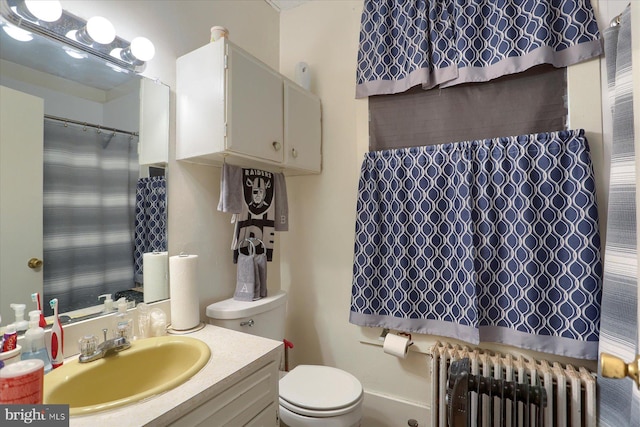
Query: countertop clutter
point(240, 365)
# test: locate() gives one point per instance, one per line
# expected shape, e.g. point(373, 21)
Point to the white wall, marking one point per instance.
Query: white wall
point(317, 253)
point(89, 109)
point(176, 28)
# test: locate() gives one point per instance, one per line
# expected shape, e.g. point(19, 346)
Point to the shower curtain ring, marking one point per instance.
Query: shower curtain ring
point(99, 130)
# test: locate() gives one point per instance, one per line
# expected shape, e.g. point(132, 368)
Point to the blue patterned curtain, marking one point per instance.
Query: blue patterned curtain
point(151, 220)
point(619, 403)
point(492, 240)
point(404, 43)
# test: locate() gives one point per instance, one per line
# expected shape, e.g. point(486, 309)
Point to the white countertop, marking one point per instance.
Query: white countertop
point(231, 353)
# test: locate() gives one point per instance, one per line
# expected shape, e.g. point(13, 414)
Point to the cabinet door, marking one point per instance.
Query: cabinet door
point(200, 104)
point(302, 128)
point(254, 107)
point(154, 123)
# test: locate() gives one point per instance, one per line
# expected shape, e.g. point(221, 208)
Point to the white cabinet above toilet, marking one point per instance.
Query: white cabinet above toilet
point(231, 106)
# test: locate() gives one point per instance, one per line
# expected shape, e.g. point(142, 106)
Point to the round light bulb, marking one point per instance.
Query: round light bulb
point(101, 30)
point(116, 52)
point(142, 48)
point(17, 33)
point(48, 10)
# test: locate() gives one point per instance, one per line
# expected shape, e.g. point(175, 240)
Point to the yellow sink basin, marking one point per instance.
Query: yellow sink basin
point(149, 367)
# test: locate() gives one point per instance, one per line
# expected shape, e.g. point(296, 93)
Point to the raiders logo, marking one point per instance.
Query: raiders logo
point(258, 190)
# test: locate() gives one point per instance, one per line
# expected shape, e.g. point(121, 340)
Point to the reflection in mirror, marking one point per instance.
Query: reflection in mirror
point(103, 210)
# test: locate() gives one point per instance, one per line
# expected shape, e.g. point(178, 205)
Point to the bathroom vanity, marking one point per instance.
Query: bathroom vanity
point(238, 386)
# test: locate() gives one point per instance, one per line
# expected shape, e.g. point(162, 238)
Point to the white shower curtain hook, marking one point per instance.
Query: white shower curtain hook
point(99, 130)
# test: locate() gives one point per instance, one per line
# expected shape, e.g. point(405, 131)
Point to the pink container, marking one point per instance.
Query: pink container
point(22, 382)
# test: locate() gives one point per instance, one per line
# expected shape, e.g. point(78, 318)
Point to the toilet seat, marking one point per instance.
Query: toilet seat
point(320, 391)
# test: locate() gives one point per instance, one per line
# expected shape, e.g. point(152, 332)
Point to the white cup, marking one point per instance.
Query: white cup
point(218, 32)
point(11, 356)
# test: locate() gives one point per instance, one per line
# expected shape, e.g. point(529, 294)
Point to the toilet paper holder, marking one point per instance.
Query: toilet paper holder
point(385, 331)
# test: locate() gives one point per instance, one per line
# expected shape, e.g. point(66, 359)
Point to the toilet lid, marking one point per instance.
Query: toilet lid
point(320, 388)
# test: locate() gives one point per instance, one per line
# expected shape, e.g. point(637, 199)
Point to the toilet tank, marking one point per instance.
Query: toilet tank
point(264, 317)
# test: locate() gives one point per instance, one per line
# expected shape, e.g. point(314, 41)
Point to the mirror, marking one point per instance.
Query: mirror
point(83, 95)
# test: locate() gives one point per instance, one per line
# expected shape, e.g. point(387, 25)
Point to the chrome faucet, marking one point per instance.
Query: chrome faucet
point(90, 351)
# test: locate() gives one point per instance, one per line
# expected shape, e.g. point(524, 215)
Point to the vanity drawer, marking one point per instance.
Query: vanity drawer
point(252, 401)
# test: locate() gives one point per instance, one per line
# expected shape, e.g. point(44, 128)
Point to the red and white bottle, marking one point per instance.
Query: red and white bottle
point(57, 337)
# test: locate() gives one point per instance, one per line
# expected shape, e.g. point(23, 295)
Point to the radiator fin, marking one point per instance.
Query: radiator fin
point(571, 391)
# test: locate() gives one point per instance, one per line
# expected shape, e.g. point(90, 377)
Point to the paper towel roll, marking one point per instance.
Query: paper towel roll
point(396, 345)
point(155, 266)
point(183, 283)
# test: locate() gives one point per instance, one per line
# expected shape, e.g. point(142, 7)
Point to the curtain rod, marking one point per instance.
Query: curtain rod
point(100, 128)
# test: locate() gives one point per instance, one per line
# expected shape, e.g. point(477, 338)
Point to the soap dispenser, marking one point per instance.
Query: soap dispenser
point(108, 303)
point(21, 324)
point(34, 347)
point(123, 325)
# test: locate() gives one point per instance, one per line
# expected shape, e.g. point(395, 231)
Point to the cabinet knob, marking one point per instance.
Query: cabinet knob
point(294, 153)
point(276, 145)
point(34, 263)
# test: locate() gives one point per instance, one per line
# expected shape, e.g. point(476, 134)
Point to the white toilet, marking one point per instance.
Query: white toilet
point(310, 395)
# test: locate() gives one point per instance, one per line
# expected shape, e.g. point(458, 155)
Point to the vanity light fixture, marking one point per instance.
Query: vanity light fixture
point(97, 36)
point(140, 49)
point(47, 11)
point(98, 29)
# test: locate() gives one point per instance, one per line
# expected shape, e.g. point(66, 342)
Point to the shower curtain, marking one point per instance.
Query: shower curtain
point(89, 200)
point(619, 403)
point(151, 220)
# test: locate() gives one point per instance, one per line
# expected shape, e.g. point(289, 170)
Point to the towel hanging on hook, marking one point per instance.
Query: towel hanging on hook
point(251, 281)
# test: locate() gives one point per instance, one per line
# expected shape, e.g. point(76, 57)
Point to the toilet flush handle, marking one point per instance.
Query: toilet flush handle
point(248, 323)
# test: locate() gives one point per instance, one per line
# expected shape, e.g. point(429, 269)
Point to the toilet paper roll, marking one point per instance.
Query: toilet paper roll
point(183, 284)
point(155, 266)
point(396, 345)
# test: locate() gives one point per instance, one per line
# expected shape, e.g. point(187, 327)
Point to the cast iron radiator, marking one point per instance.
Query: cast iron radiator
point(498, 386)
